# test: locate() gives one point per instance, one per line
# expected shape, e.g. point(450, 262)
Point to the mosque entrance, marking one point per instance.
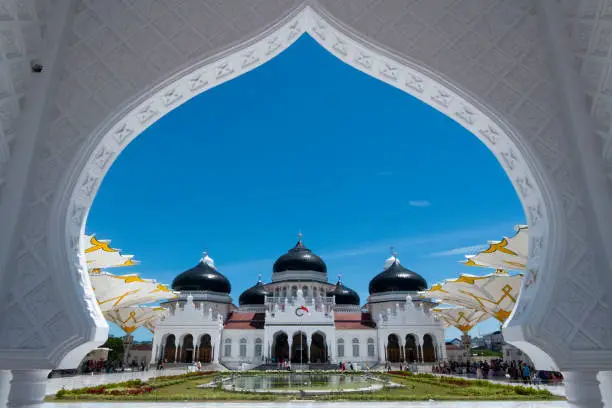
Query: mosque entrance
point(170, 349)
point(318, 349)
point(205, 349)
point(280, 348)
point(410, 349)
point(429, 354)
point(393, 349)
point(299, 348)
point(187, 349)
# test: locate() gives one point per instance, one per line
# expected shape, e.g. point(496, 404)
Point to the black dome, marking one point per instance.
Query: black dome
point(300, 258)
point(255, 295)
point(344, 295)
point(202, 277)
point(396, 278)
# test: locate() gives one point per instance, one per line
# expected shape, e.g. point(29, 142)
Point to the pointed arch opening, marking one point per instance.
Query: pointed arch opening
point(111, 137)
point(393, 349)
point(411, 351)
point(299, 348)
point(205, 349)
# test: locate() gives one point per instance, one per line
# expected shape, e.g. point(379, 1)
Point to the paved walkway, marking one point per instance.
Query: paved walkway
point(80, 381)
point(306, 404)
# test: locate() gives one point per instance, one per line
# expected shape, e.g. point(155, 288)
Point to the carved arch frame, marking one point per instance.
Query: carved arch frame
point(105, 144)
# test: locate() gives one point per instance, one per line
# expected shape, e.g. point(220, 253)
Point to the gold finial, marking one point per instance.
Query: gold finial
point(259, 277)
point(300, 235)
point(339, 277)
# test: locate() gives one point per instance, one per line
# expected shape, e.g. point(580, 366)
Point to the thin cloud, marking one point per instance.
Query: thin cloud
point(419, 203)
point(461, 250)
point(382, 247)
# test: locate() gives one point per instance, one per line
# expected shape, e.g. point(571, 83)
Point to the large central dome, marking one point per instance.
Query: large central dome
point(300, 258)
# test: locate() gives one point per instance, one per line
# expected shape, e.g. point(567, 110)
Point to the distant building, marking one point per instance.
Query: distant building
point(139, 354)
point(456, 352)
point(512, 353)
point(478, 342)
point(494, 341)
point(457, 342)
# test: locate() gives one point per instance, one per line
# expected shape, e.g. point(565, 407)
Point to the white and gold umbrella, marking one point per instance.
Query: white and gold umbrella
point(119, 291)
point(132, 317)
point(150, 324)
point(99, 255)
point(494, 294)
point(509, 253)
point(460, 317)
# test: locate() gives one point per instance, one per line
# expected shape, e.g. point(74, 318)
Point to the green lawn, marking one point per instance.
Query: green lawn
point(415, 388)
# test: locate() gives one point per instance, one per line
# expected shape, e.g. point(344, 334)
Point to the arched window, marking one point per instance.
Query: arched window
point(227, 352)
point(314, 292)
point(340, 347)
point(294, 291)
point(305, 291)
point(284, 293)
point(243, 347)
point(258, 347)
point(355, 347)
point(370, 347)
point(277, 292)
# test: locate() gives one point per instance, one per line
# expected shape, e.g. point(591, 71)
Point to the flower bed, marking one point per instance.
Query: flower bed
point(131, 387)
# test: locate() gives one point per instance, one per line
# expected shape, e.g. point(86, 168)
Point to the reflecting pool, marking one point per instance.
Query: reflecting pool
point(297, 381)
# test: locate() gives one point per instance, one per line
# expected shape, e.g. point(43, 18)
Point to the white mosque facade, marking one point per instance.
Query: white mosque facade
point(299, 317)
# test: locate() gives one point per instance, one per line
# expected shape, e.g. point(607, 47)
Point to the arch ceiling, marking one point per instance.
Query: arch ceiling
point(125, 64)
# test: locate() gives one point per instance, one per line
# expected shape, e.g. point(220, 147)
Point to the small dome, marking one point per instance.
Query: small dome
point(255, 295)
point(344, 295)
point(299, 258)
point(396, 278)
point(202, 277)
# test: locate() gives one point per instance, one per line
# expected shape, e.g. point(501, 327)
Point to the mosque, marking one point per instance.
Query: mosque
point(299, 317)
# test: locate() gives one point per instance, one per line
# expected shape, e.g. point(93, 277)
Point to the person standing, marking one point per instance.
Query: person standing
point(526, 374)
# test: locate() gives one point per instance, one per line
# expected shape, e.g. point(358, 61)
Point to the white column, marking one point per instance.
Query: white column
point(154, 350)
point(5, 386)
point(218, 349)
point(308, 349)
point(605, 386)
point(582, 389)
point(421, 351)
point(27, 388)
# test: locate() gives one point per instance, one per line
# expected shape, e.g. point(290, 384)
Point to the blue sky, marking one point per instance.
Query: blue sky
point(306, 143)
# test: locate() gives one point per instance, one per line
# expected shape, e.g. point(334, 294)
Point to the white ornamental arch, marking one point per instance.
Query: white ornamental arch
point(104, 145)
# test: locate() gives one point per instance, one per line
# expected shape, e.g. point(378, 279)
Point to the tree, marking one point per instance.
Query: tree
point(115, 344)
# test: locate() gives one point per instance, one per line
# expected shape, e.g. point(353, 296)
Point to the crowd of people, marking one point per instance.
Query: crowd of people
point(110, 366)
point(510, 370)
